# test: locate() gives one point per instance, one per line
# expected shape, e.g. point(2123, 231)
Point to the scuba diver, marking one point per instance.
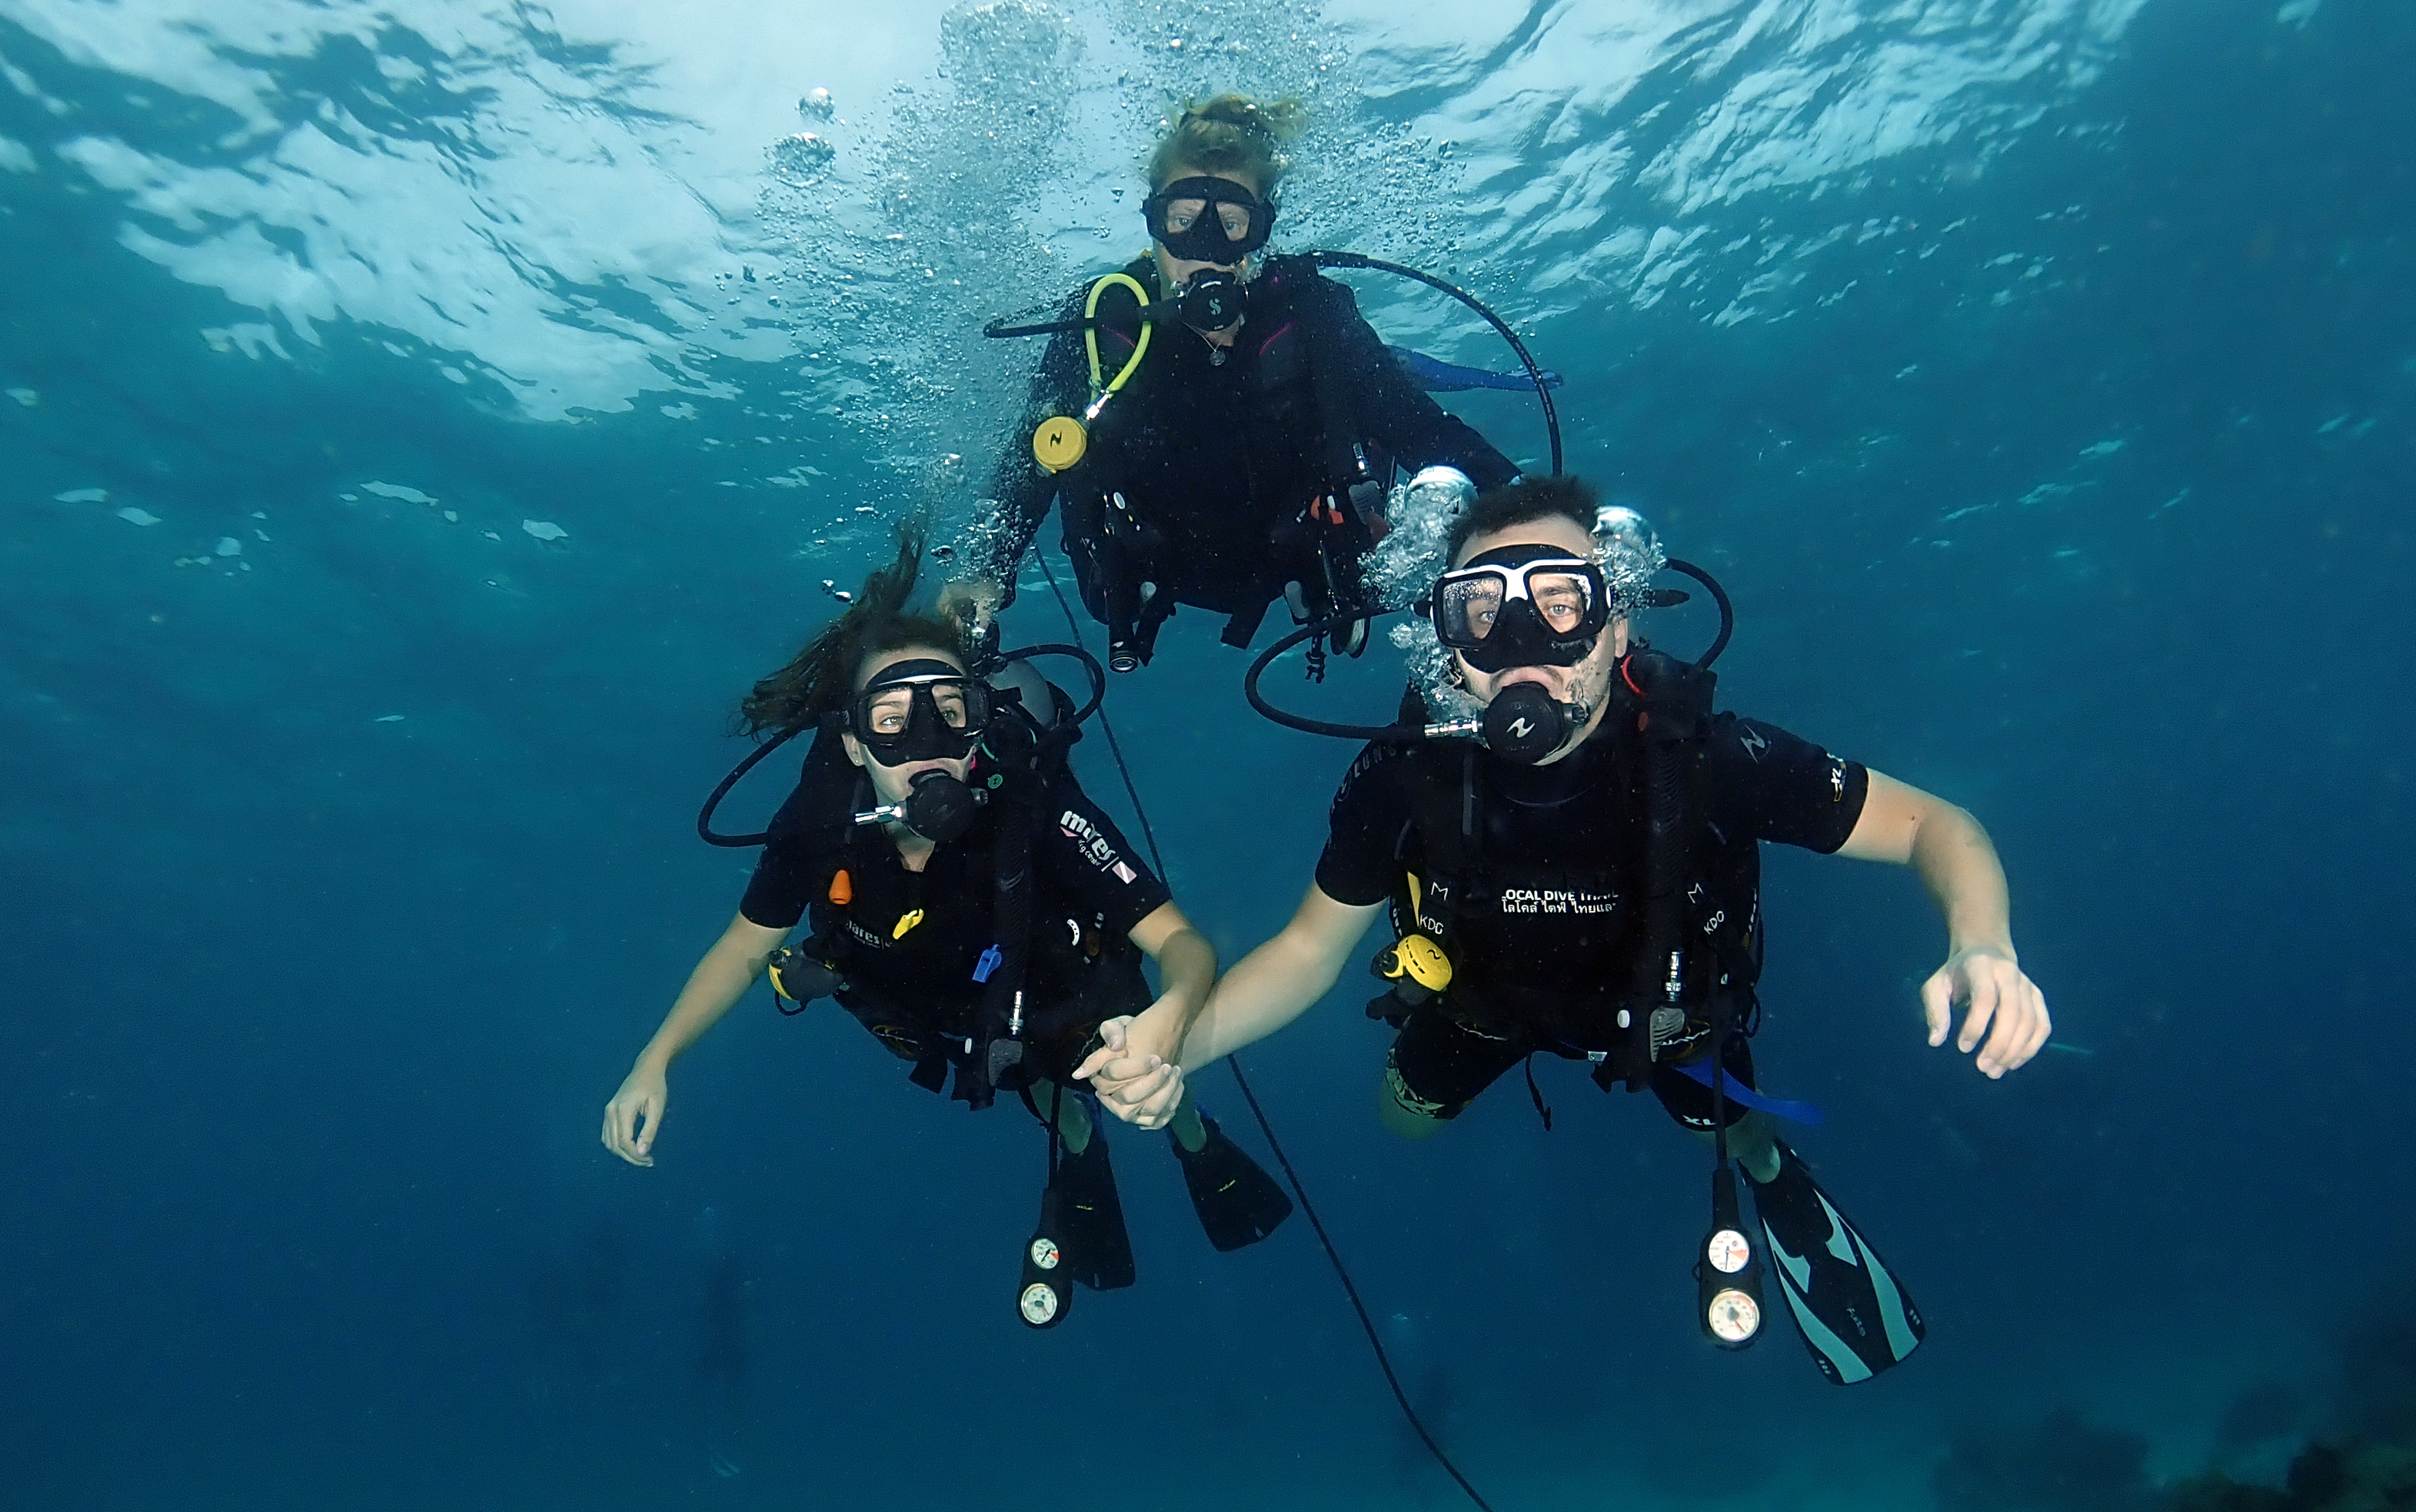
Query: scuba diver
point(967, 905)
point(1581, 879)
point(1238, 421)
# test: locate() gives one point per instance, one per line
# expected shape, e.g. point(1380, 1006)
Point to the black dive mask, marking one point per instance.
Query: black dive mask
point(1212, 301)
point(1521, 605)
point(920, 710)
point(1524, 723)
point(1206, 219)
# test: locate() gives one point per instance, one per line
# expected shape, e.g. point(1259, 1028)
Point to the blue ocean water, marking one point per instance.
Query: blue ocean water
point(423, 420)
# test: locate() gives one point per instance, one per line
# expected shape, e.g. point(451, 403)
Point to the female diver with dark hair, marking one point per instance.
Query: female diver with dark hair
point(1235, 443)
point(912, 931)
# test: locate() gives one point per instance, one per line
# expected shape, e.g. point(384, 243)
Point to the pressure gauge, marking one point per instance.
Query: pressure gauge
point(1734, 1317)
point(1728, 1251)
point(1045, 1253)
point(1039, 1304)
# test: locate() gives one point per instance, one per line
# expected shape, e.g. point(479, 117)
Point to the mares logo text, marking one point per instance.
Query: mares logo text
point(1094, 846)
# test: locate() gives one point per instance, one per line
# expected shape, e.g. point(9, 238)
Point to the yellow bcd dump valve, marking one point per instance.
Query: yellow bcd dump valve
point(1415, 966)
point(1062, 440)
point(1059, 443)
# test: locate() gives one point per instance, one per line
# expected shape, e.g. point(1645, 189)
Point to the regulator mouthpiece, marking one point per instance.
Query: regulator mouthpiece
point(1524, 724)
point(1212, 301)
point(940, 809)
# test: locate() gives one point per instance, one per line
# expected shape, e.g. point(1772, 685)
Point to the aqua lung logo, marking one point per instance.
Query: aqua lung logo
point(1557, 901)
point(1522, 727)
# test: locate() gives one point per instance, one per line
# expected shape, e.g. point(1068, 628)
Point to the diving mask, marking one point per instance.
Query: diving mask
point(1521, 605)
point(1208, 220)
point(920, 710)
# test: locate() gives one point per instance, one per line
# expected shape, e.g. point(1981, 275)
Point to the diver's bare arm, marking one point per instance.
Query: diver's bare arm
point(1953, 856)
point(1278, 982)
point(635, 1116)
point(1186, 967)
point(719, 980)
point(2005, 1018)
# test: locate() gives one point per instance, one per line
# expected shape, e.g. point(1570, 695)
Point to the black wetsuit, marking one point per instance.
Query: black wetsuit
point(1541, 936)
point(917, 991)
point(1218, 451)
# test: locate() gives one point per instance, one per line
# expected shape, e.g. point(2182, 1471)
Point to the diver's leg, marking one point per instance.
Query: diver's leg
point(1753, 1135)
point(1098, 1251)
point(1073, 1113)
point(1436, 1068)
point(1185, 1126)
point(1753, 1140)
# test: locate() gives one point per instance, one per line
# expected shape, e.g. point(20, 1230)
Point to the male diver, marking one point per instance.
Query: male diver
point(1222, 434)
point(1586, 884)
point(970, 906)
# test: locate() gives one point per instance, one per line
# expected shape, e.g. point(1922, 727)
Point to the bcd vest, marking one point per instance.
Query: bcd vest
point(1120, 539)
point(1620, 1008)
point(1038, 971)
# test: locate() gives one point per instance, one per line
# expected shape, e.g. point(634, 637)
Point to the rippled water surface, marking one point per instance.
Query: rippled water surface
point(423, 420)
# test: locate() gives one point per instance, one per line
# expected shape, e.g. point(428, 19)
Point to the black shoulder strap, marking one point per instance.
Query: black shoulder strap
point(1336, 389)
point(1670, 704)
point(831, 791)
point(1444, 807)
point(998, 1018)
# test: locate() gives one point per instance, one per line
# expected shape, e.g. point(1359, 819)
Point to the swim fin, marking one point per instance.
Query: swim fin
point(1098, 1252)
point(1238, 1204)
point(1856, 1318)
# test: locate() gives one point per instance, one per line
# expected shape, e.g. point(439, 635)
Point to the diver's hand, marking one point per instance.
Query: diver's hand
point(972, 602)
point(2005, 1005)
point(642, 1097)
point(1132, 1077)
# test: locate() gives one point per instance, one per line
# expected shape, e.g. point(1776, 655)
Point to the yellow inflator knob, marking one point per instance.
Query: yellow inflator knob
point(1060, 442)
point(1423, 962)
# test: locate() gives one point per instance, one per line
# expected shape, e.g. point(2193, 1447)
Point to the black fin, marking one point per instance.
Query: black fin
point(1854, 1315)
point(1097, 1251)
point(1238, 1204)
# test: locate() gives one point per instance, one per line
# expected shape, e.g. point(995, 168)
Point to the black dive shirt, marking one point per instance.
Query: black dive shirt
point(1215, 453)
point(1083, 864)
point(1758, 783)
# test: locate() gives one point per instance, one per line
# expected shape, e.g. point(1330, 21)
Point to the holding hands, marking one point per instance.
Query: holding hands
point(1133, 1074)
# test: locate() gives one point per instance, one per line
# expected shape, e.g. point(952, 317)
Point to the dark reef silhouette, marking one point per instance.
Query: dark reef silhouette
point(2360, 1456)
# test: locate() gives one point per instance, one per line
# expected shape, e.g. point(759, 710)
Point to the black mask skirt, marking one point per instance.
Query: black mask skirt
point(1521, 605)
point(942, 718)
point(1208, 220)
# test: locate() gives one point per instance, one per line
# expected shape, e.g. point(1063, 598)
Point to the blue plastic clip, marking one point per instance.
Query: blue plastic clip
point(991, 961)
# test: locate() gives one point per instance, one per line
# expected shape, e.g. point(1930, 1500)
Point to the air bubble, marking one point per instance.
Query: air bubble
point(800, 159)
